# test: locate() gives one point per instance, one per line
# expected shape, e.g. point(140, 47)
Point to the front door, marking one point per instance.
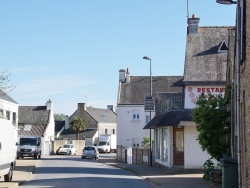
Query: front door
point(178, 146)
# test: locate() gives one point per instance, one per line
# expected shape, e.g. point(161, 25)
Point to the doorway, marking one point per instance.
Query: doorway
point(178, 146)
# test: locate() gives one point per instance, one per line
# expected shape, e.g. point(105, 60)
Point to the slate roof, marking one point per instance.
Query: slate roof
point(32, 120)
point(58, 126)
point(133, 93)
point(33, 115)
point(203, 62)
point(5, 97)
point(69, 134)
point(102, 115)
point(170, 118)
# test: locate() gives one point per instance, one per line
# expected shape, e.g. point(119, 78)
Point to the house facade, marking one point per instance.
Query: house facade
point(38, 121)
point(8, 108)
point(204, 72)
point(131, 115)
point(98, 122)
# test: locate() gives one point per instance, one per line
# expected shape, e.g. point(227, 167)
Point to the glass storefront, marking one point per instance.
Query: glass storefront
point(162, 145)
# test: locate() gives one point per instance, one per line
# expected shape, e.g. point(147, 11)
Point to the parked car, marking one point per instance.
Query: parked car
point(90, 152)
point(67, 149)
point(29, 146)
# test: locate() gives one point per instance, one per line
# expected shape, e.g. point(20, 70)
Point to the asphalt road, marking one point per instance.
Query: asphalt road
point(72, 171)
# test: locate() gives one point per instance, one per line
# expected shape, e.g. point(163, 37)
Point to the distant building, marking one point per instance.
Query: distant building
point(98, 121)
point(38, 121)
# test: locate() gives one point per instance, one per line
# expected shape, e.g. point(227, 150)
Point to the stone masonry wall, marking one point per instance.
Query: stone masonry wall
point(245, 106)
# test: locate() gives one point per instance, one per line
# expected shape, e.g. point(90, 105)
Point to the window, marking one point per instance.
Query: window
point(1, 112)
point(113, 131)
point(106, 131)
point(14, 117)
point(147, 119)
point(136, 114)
point(8, 115)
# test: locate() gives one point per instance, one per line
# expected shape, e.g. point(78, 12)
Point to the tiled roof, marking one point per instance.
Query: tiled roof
point(58, 126)
point(203, 62)
point(5, 97)
point(133, 93)
point(68, 133)
point(33, 115)
point(102, 115)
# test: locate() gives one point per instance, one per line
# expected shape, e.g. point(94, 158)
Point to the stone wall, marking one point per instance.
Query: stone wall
point(79, 144)
point(245, 105)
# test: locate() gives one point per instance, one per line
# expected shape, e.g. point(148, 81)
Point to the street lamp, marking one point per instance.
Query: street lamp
point(150, 147)
point(226, 2)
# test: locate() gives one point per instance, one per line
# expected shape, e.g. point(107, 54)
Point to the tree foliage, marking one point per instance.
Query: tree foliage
point(78, 125)
point(212, 116)
point(59, 117)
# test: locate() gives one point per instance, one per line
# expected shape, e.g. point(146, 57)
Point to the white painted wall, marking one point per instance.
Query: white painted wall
point(192, 92)
point(8, 106)
point(194, 157)
point(129, 129)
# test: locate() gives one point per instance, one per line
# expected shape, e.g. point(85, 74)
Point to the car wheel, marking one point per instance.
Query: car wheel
point(35, 157)
point(8, 177)
point(69, 153)
point(39, 156)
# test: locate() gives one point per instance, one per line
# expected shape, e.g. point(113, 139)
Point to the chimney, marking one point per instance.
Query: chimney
point(122, 75)
point(66, 126)
point(193, 25)
point(127, 76)
point(81, 108)
point(49, 105)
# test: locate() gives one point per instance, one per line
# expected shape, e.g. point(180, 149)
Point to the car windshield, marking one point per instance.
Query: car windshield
point(102, 143)
point(66, 146)
point(28, 141)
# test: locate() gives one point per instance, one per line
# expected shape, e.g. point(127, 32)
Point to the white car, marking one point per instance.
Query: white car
point(67, 149)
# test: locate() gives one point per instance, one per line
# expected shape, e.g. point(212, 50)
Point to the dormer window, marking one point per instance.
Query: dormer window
point(223, 47)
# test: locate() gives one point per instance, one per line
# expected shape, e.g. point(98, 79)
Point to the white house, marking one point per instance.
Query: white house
point(204, 72)
point(131, 115)
point(8, 108)
point(38, 121)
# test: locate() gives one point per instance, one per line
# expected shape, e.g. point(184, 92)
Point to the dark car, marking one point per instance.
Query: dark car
point(90, 152)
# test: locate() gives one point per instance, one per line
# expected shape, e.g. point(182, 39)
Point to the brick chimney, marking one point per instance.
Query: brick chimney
point(122, 75)
point(193, 25)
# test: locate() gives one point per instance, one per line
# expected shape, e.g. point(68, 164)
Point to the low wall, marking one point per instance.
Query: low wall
point(139, 155)
point(79, 144)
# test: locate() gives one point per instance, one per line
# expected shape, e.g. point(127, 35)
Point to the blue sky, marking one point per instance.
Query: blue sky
point(71, 51)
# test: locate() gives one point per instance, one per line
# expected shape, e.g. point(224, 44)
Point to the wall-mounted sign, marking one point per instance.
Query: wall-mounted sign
point(192, 92)
point(149, 103)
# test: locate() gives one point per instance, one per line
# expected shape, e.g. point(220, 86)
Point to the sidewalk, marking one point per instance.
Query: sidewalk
point(21, 173)
point(159, 177)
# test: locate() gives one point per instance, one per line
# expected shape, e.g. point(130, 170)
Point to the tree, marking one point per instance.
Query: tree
point(78, 125)
point(59, 117)
point(212, 116)
point(5, 86)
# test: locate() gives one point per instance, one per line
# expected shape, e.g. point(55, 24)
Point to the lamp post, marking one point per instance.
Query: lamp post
point(150, 147)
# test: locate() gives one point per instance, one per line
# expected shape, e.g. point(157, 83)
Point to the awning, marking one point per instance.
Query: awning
point(170, 118)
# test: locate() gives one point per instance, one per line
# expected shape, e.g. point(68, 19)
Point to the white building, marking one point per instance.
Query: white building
point(204, 72)
point(131, 116)
point(38, 121)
